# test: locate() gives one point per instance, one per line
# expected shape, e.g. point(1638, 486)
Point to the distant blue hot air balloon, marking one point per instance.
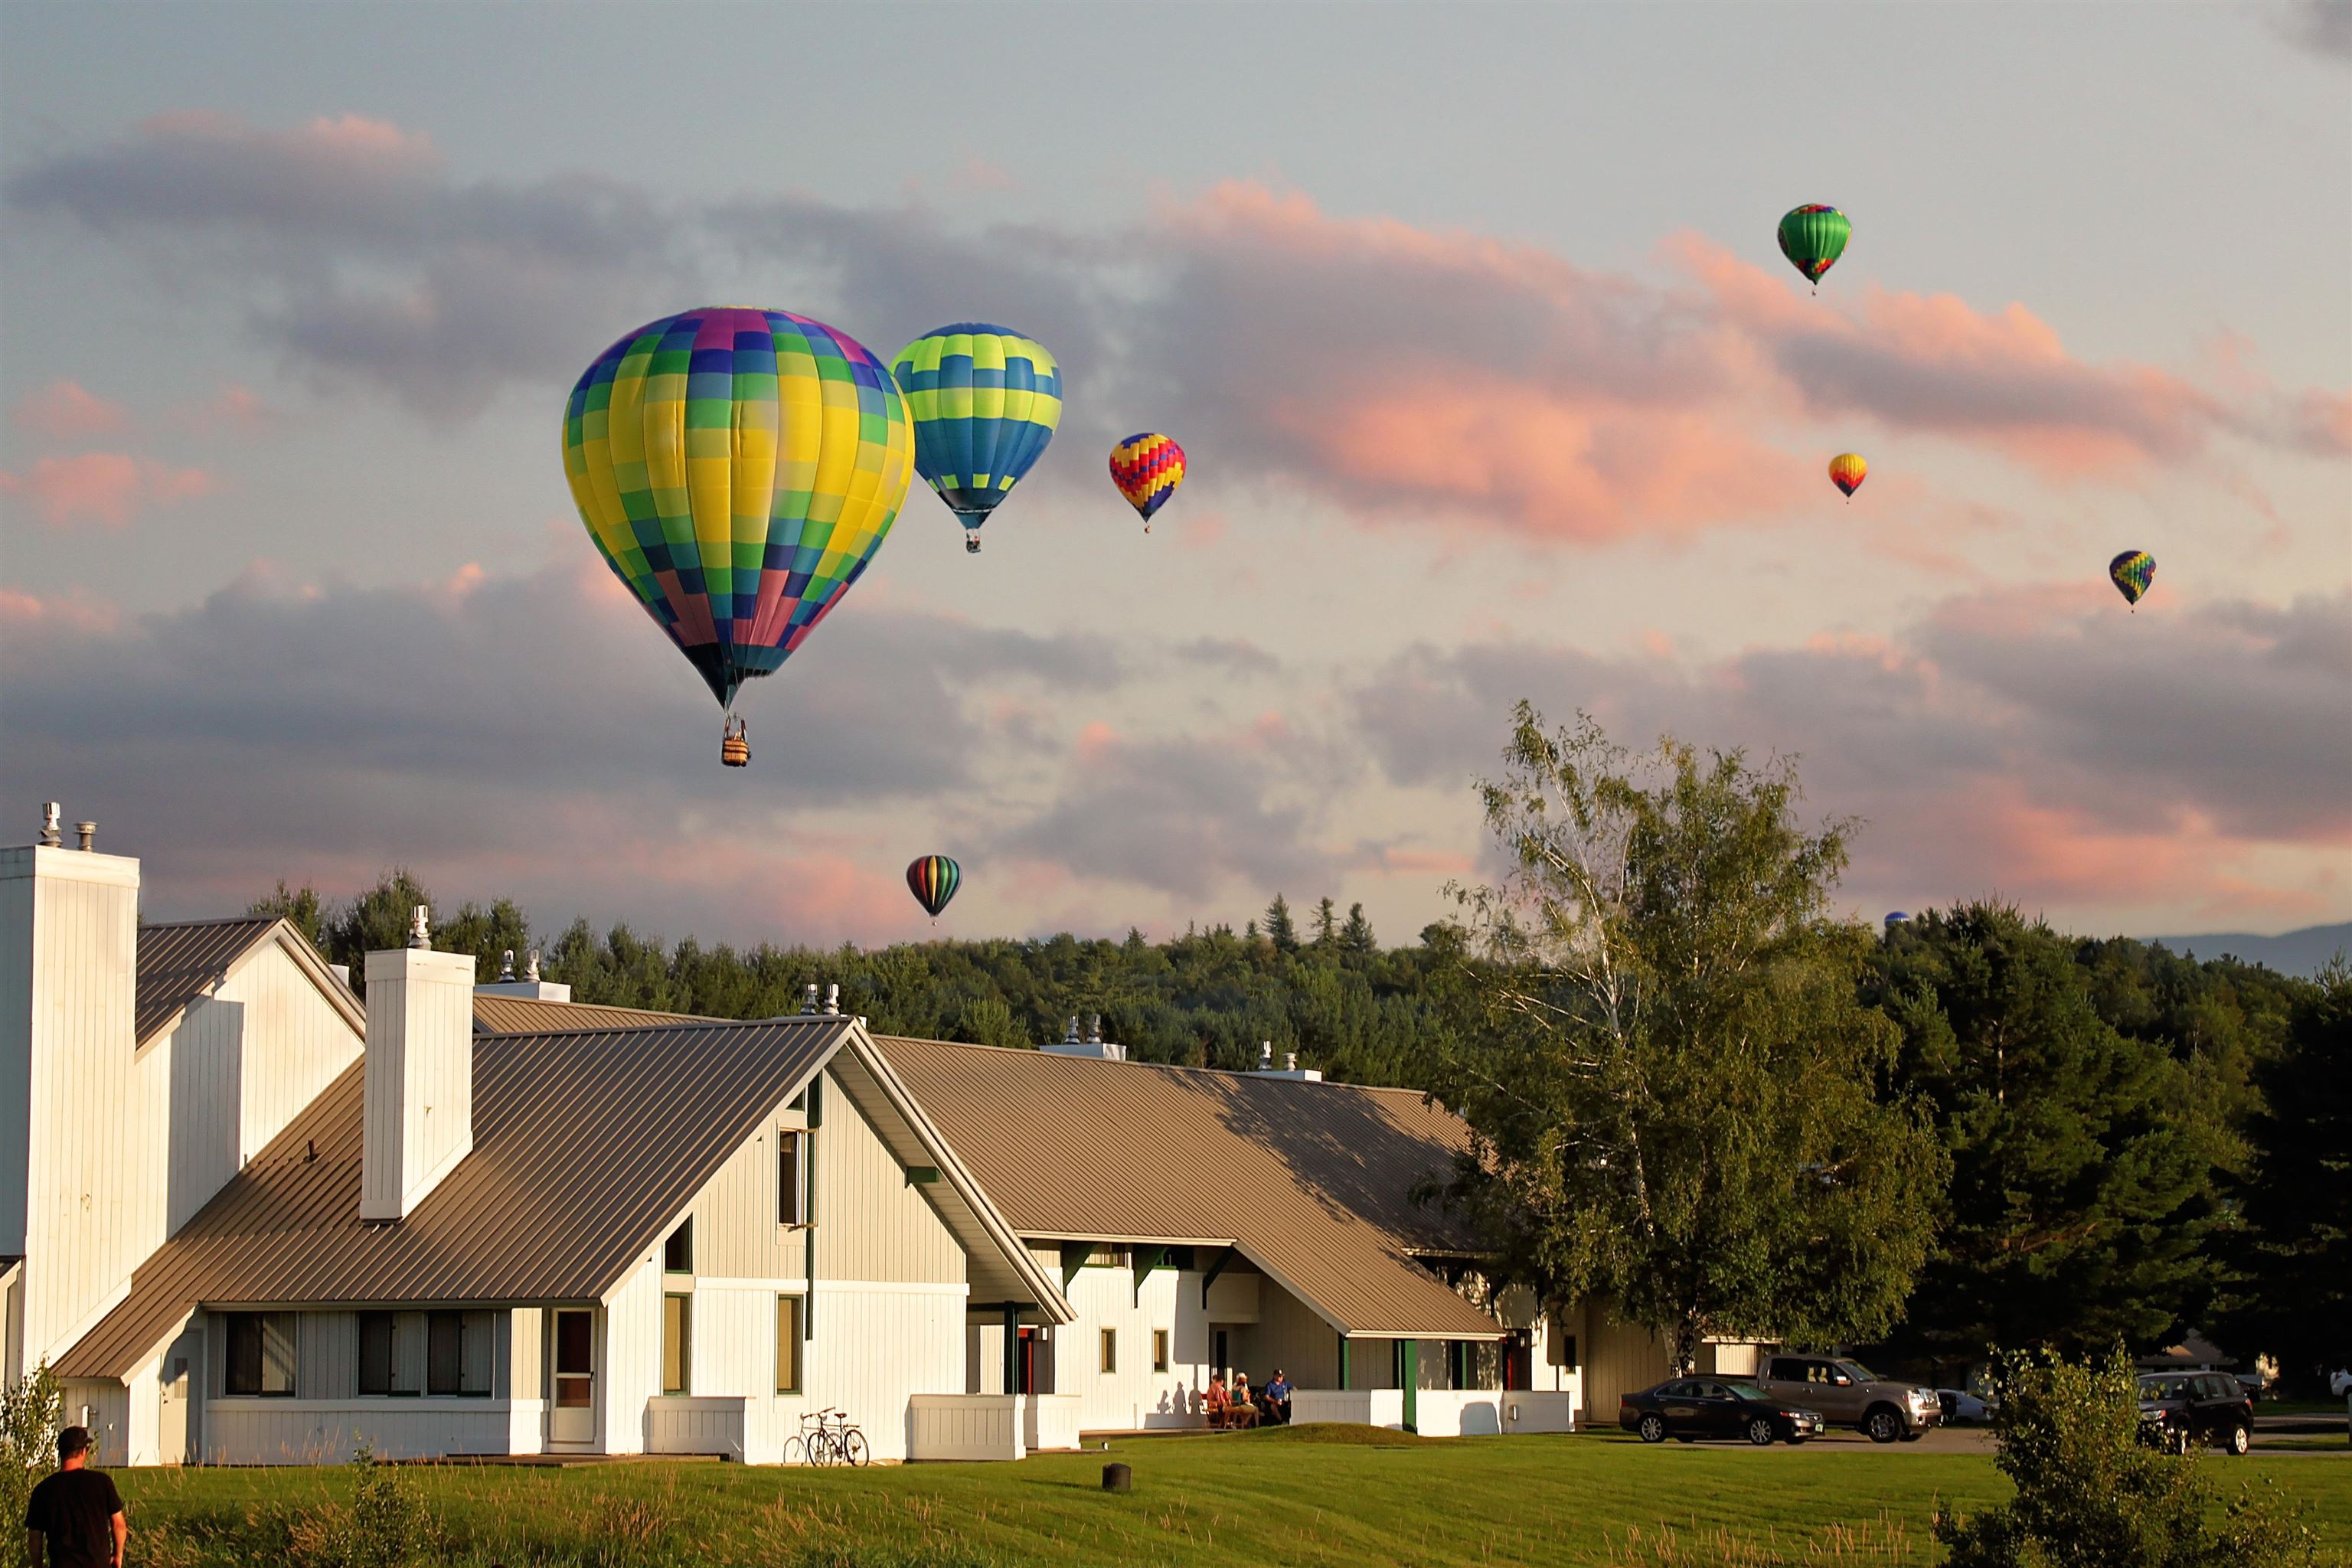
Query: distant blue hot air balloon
point(984, 401)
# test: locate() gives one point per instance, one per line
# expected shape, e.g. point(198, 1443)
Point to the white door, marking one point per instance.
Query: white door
point(572, 1405)
point(171, 1423)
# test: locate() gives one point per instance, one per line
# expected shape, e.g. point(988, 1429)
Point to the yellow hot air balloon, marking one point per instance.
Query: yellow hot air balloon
point(1847, 471)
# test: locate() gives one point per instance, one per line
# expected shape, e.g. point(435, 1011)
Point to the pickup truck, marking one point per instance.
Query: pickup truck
point(1848, 1393)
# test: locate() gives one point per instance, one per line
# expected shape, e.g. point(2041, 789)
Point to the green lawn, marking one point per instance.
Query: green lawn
point(1258, 1499)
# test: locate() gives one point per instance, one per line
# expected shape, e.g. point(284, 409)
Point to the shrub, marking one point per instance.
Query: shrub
point(32, 1409)
point(386, 1525)
point(2091, 1495)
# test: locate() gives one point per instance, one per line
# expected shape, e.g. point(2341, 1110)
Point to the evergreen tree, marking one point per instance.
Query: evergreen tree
point(2082, 1195)
point(1279, 928)
point(1355, 936)
point(300, 905)
point(1327, 923)
point(1669, 1075)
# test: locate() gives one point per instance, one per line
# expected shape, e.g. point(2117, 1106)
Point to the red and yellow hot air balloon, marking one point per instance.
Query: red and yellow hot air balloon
point(1847, 470)
point(1146, 467)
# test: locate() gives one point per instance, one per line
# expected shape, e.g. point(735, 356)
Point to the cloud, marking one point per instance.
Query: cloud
point(109, 488)
point(2322, 27)
point(2033, 742)
point(66, 411)
point(529, 732)
point(232, 408)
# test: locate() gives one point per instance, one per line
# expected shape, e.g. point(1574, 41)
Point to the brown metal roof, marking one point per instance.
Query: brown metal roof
point(184, 960)
point(584, 1144)
point(529, 1015)
point(1311, 1182)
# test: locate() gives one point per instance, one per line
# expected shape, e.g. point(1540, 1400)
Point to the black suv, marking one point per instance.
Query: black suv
point(2183, 1410)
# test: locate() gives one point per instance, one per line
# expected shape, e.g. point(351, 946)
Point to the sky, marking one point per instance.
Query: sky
point(1492, 382)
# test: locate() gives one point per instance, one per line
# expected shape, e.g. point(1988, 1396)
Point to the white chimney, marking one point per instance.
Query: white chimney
point(1093, 1045)
point(81, 1194)
point(419, 1118)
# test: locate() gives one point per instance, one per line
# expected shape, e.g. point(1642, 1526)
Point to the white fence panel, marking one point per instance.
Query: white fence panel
point(964, 1427)
point(1527, 1410)
point(680, 1424)
point(1050, 1421)
point(324, 1432)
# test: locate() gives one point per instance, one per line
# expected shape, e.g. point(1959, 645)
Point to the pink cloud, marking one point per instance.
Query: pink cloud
point(66, 411)
point(106, 487)
point(232, 407)
point(74, 611)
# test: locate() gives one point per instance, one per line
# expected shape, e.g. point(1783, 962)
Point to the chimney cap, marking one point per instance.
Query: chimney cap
point(420, 932)
point(49, 813)
point(1094, 1030)
point(531, 965)
point(833, 1000)
point(1266, 1053)
point(506, 965)
point(1070, 1037)
point(808, 998)
point(87, 832)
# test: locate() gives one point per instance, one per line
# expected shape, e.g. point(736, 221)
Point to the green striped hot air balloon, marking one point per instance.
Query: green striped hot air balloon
point(1813, 237)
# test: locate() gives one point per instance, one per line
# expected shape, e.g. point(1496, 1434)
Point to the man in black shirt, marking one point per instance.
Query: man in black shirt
point(76, 1511)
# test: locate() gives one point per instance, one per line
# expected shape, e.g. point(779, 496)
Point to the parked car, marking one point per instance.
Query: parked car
point(1685, 1408)
point(2182, 1410)
point(1849, 1394)
point(1962, 1408)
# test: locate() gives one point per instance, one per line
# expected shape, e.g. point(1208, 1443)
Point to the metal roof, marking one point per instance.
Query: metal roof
point(182, 962)
point(1311, 1182)
point(529, 1015)
point(586, 1144)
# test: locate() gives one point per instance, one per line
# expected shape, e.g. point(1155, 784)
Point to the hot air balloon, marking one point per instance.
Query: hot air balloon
point(984, 402)
point(1813, 237)
point(1847, 470)
point(738, 468)
point(1147, 468)
point(933, 879)
point(2131, 573)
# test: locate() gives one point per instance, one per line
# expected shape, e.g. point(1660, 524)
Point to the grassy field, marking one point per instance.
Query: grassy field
point(1276, 1498)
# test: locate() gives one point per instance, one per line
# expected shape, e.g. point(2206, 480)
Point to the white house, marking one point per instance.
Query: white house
point(265, 1218)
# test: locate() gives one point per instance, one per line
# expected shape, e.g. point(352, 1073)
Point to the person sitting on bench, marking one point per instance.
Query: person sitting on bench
point(1276, 1397)
point(1244, 1411)
point(1215, 1405)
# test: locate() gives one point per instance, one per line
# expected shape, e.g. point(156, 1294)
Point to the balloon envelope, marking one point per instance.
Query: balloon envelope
point(1813, 237)
point(933, 879)
point(1147, 468)
point(2131, 573)
point(984, 402)
point(1847, 471)
point(738, 468)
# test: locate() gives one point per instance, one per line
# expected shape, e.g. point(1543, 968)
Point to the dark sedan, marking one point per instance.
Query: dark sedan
point(1685, 1408)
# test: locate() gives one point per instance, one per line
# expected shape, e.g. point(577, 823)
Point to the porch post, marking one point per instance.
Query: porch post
point(1011, 1347)
point(1408, 1379)
point(1343, 1363)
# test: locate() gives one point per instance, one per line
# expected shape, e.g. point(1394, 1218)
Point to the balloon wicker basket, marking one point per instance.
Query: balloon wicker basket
point(735, 748)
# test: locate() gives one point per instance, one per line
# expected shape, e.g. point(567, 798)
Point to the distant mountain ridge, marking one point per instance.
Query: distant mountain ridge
point(2290, 952)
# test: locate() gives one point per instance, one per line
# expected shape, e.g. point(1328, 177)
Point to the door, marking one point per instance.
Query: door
point(1678, 1403)
point(172, 1424)
point(1028, 1361)
point(1218, 1361)
point(571, 1410)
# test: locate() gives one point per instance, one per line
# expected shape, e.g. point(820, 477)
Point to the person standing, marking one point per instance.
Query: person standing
point(75, 1514)
point(2342, 1384)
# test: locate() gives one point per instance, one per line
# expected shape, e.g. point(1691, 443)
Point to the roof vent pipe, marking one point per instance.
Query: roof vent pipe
point(1290, 1061)
point(87, 832)
point(506, 966)
point(1265, 1056)
point(1070, 1035)
point(50, 840)
point(833, 1000)
point(420, 932)
point(808, 999)
point(1094, 1030)
point(531, 965)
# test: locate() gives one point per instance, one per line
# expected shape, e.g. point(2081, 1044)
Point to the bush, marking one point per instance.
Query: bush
point(386, 1526)
point(2091, 1495)
point(32, 1410)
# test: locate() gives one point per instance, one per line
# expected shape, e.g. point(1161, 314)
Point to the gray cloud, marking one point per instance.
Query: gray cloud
point(2323, 27)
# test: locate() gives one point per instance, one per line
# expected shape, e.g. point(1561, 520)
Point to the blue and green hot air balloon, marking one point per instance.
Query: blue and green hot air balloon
point(984, 402)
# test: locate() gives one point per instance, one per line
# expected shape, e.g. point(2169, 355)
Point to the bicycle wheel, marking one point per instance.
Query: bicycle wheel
point(796, 1451)
point(852, 1446)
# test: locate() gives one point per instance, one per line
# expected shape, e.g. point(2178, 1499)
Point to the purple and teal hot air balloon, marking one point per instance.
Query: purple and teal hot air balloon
point(738, 468)
point(1813, 237)
point(2131, 573)
point(984, 402)
point(933, 879)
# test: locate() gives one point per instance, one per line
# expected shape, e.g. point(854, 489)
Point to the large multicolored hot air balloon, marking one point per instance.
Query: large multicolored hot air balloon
point(2131, 573)
point(1147, 468)
point(1813, 237)
point(984, 402)
point(933, 879)
point(737, 468)
point(1847, 470)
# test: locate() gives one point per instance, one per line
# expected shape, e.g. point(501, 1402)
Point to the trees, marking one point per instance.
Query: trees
point(2082, 1195)
point(1669, 1075)
point(2298, 1194)
point(1280, 929)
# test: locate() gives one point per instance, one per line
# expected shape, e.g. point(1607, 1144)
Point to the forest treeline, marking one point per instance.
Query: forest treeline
point(2138, 1141)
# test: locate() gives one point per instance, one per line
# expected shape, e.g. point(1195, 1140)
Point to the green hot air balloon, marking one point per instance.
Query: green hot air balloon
point(1813, 237)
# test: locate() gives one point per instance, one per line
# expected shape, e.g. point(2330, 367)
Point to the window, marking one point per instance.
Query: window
point(380, 1354)
point(678, 1323)
point(260, 1354)
point(795, 1177)
point(575, 1360)
point(788, 1344)
point(677, 1252)
point(1160, 1349)
point(457, 1353)
point(1110, 1350)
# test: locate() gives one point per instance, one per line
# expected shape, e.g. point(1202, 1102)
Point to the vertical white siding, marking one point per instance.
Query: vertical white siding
point(79, 1141)
point(1133, 1397)
point(1288, 1335)
point(871, 1224)
point(419, 1103)
point(631, 1371)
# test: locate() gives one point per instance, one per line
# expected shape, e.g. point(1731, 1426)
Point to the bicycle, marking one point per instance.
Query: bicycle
point(827, 1438)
